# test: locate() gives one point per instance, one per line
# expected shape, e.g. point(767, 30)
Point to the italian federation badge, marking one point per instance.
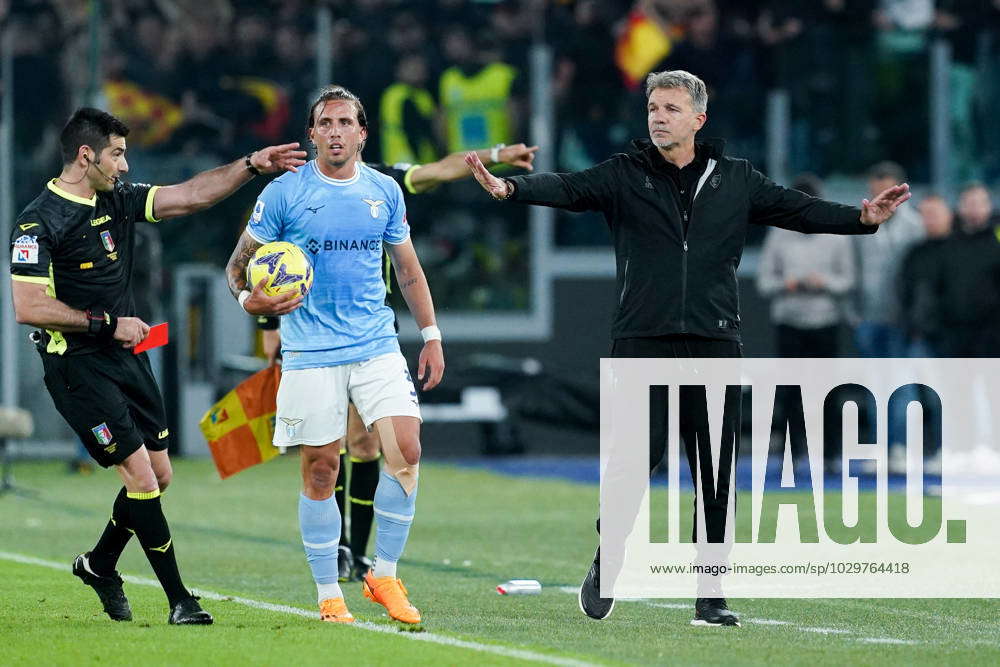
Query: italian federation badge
point(108, 242)
point(102, 433)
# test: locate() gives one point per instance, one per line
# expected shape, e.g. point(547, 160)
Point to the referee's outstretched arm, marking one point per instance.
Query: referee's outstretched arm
point(210, 187)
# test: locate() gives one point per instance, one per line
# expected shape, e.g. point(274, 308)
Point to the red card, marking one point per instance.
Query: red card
point(157, 337)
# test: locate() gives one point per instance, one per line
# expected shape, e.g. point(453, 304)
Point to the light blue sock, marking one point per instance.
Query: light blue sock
point(319, 522)
point(393, 514)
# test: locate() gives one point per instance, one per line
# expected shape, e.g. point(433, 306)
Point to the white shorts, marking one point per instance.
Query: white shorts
point(312, 402)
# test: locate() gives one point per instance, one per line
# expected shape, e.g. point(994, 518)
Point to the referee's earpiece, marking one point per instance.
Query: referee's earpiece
point(97, 167)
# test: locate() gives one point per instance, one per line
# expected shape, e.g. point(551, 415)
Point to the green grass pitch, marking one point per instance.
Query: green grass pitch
point(473, 530)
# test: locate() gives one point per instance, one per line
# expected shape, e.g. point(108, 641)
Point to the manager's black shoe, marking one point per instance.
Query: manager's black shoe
point(344, 561)
point(108, 588)
point(361, 567)
point(713, 612)
point(188, 612)
point(591, 602)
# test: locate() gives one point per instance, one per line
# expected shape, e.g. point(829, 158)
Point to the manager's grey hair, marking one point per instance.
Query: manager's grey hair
point(678, 78)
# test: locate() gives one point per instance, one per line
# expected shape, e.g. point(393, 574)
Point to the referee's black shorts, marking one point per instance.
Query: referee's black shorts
point(110, 399)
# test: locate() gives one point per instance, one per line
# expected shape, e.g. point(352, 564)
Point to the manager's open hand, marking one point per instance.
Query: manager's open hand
point(495, 186)
point(880, 209)
point(285, 157)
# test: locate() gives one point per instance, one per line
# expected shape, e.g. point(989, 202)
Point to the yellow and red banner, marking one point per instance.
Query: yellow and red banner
point(641, 46)
point(151, 117)
point(239, 428)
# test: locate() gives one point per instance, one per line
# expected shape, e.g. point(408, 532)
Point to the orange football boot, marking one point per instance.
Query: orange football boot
point(391, 594)
point(334, 610)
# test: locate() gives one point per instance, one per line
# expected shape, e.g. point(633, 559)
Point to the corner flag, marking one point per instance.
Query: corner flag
point(239, 428)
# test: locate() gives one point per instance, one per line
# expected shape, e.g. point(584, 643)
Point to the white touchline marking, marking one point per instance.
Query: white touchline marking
point(824, 631)
point(767, 621)
point(444, 640)
point(764, 621)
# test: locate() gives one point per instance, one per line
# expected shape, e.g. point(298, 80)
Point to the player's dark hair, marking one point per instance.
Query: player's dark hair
point(331, 93)
point(89, 127)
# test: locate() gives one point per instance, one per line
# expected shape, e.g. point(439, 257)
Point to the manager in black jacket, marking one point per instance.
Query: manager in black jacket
point(678, 212)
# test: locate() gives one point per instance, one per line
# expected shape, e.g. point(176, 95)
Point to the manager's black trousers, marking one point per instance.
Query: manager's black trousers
point(684, 347)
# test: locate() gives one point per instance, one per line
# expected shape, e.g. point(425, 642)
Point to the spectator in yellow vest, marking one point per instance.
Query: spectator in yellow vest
point(406, 114)
point(477, 94)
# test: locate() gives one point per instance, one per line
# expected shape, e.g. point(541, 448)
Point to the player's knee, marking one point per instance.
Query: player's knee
point(142, 481)
point(138, 474)
point(163, 478)
point(322, 474)
point(365, 446)
point(409, 447)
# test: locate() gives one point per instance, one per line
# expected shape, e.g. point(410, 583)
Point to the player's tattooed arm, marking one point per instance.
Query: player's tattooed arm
point(256, 302)
point(416, 292)
point(236, 269)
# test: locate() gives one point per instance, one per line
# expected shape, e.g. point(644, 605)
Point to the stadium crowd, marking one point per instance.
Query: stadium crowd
point(202, 81)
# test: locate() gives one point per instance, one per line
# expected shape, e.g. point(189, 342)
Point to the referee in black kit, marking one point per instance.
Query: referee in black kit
point(72, 262)
point(678, 211)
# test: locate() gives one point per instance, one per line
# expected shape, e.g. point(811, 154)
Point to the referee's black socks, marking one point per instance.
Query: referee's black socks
point(364, 479)
point(105, 554)
point(338, 492)
point(145, 517)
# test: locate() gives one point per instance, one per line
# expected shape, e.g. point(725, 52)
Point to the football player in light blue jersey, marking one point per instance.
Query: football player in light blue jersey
point(339, 343)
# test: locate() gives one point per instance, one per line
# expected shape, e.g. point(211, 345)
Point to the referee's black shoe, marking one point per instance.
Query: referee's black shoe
point(713, 612)
point(591, 602)
point(187, 611)
point(108, 588)
point(344, 561)
point(360, 569)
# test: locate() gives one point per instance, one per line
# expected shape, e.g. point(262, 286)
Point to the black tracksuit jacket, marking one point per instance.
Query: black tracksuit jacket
point(669, 281)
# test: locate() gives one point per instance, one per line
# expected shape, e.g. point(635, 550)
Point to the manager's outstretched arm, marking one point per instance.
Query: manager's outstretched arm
point(588, 190)
point(210, 187)
point(417, 294)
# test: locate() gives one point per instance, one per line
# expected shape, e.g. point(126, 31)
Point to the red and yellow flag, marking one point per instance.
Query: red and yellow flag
point(239, 428)
point(641, 46)
point(151, 117)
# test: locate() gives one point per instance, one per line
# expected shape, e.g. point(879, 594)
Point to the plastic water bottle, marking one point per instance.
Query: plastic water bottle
point(520, 587)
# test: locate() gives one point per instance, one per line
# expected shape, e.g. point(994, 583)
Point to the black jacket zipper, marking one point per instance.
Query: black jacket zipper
point(683, 218)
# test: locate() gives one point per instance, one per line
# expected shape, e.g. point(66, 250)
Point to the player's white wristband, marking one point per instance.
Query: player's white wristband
point(242, 298)
point(495, 153)
point(430, 333)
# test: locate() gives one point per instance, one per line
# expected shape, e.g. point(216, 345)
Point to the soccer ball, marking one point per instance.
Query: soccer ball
point(285, 266)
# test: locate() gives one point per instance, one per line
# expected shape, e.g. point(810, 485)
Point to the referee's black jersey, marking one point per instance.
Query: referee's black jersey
point(82, 251)
point(399, 172)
